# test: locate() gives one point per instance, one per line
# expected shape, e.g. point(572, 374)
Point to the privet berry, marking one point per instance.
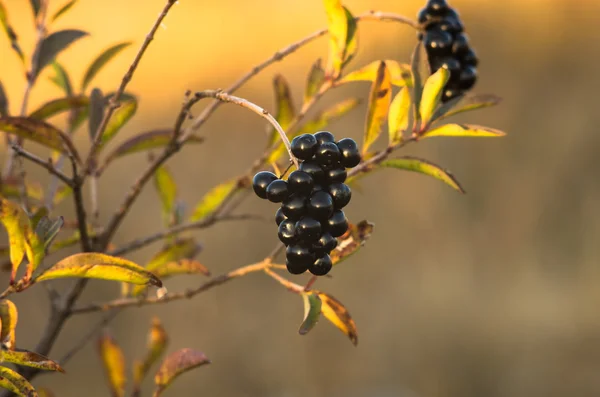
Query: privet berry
point(311, 217)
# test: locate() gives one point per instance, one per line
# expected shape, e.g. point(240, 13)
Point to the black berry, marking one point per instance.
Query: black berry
point(337, 224)
point(437, 42)
point(437, 7)
point(294, 207)
point(322, 266)
point(461, 44)
point(325, 244)
point(299, 254)
point(451, 25)
point(314, 170)
point(424, 15)
point(261, 181)
point(300, 182)
point(327, 154)
point(287, 232)
point(349, 151)
point(304, 146)
point(280, 216)
point(277, 191)
point(468, 77)
point(324, 136)
point(296, 267)
point(469, 58)
point(341, 195)
point(308, 229)
point(336, 175)
point(320, 205)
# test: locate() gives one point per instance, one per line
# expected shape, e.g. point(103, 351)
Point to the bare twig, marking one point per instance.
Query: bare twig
point(293, 287)
point(46, 164)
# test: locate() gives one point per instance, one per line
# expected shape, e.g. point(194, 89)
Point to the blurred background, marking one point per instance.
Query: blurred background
point(492, 294)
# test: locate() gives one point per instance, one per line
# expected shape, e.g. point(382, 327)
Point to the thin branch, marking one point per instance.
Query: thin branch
point(86, 245)
point(293, 287)
point(46, 164)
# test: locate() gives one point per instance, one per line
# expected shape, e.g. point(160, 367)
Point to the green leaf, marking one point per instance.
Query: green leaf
point(312, 312)
point(213, 199)
point(314, 81)
point(416, 80)
point(10, 32)
point(285, 107)
point(185, 248)
point(35, 7)
point(61, 78)
point(379, 104)
point(9, 316)
point(165, 186)
point(53, 44)
point(16, 222)
point(157, 344)
point(146, 141)
point(337, 22)
point(36, 131)
point(351, 38)
point(473, 102)
point(463, 130)
point(176, 364)
point(3, 101)
point(400, 73)
point(113, 362)
point(100, 62)
point(47, 230)
point(424, 167)
point(400, 114)
point(432, 94)
point(95, 112)
point(100, 266)
point(59, 105)
point(119, 118)
point(17, 384)
point(30, 359)
point(334, 311)
point(63, 10)
point(356, 236)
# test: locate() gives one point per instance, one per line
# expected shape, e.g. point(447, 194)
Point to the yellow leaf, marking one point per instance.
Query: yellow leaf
point(182, 266)
point(113, 362)
point(100, 266)
point(338, 32)
point(11, 188)
point(286, 112)
point(312, 311)
point(9, 316)
point(338, 315)
point(399, 117)
point(165, 186)
point(417, 87)
point(424, 167)
point(119, 118)
point(36, 131)
point(379, 104)
point(156, 345)
point(213, 199)
point(17, 384)
point(472, 102)
point(432, 94)
point(399, 73)
point(16, 222)
point(351, 241)
point(463, 130)
point(314, 81)
point(351, 47)
point(30, 359)
point(60, 105)
point(176, 364)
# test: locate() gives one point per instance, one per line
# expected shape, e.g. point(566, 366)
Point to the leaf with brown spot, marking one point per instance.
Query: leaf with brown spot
point(113, 362)
point(356, 236)
point(286, 112)
point(176, 364)
point(156, 345)
point(59, 105)
point(314, 81)
point(312, 311)
point(399, 73)
point(17, 226)
point(30, 359)
point(379, 104)
point(11, 380)
point(334, 311)
point(9, 316)
point(37, 131)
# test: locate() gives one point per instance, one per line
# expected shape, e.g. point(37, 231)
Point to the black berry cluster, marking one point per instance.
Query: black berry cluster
point(312, 198)
point(447, 46)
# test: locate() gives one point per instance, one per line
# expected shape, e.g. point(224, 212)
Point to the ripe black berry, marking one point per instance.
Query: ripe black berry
point(336, 175)
point(468, 77)
point(322, 266)
point(277, 191)
point(314, 170)
point(296, 267)
point(261, 181)
point(320, 205)
point(341, 195)
point(300, 182)
point(304, 146)
point(294, 207)
point(308, 229)
point(437, 42)
point(469, 58)
point(325, 244)
point(299, 254)
point(287, 232)
point(424, 15)
point(451, 25)
point(327, 154)
point(324, 136)
point(349, 151)
point(461, 44)
point(337, 224)
point(280, 216)
point(437, 7)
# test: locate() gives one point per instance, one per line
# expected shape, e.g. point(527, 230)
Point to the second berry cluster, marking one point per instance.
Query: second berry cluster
point(312, 198)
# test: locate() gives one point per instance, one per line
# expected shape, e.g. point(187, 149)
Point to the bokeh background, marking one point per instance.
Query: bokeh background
point(490, 294)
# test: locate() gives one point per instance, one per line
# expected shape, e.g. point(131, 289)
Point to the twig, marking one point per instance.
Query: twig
point(80, 209)
point(46, 164)
point(293, 287)
point(23, 186)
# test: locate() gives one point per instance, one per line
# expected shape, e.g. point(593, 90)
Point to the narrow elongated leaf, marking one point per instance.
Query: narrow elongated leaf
point(417, 88)
point(183, 248)
point(31, 359)
point(286, 112)
point(156, 346)
point(63, 10)
point(379, 104)
point(3, 101)
point(351, 38)
point(182, 266)
point(113, 362)
point(119, 118)
point(334, 311)
point(95, 112)
point(35, 7)
point(399, 117)
point(146, 141)
point(356, 236)
point(59, 105)
point(176, 364)
point(61, 78)
point(312, 311)
point(338, 33)
point(36, 131)
point(47, 230)
point(15, 220)
point(432, 94)
point(39, 214)
point(399, 73)
point(213, 199)
point(424, 167)
point(100, 62)
point(9, 316)
point(314, 81)
point(100, 266)
point(464, 130)
point(473, 102)
point(17, 384)
point(165, 186)
point(53, 44)
point(10, 32)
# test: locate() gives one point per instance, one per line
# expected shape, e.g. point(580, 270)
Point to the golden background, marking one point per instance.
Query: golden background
point(490, 294)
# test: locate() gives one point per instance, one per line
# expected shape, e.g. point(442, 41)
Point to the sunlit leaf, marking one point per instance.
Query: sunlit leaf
point(100, 62)
point(432, 94)
point(30, 359)
point(16, 222)
point(334, 311)
point(424, 167)
point(379, 104)
point(59, 105)
point(399, 73)
point(10, 32)
point(213, 200)
point(312, 312)
point(182, 266)
point(286, 112)
point(63, 10)
point(3, 101)
point(182, 248)
point(9, 316)
point(62, 193)
point(100, 266)
point(53, 44)
point(399, 117)
point(473, 102)
point(176, 364)
point(338, 33)
point(119, 118)
point(165, 186)
point(356, 236)
point(351, 38)
point(156, 346)
point(95, 111)
point(463, 130)
point(314, 81)
point(113, 362)
point(61, 78)
point(17, 384)
point(35, 130)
